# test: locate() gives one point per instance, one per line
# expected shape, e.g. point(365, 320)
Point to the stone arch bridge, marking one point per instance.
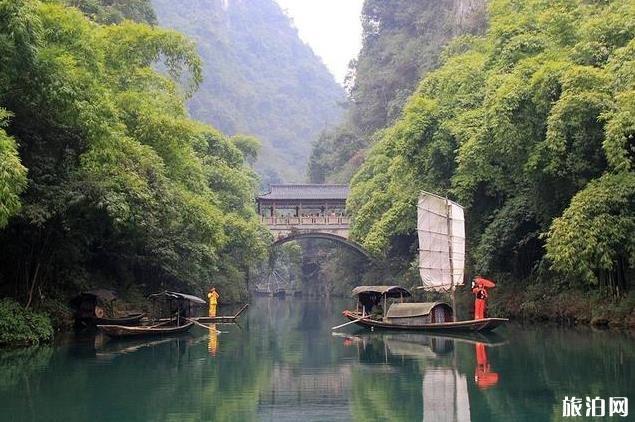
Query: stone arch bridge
point(300, 211)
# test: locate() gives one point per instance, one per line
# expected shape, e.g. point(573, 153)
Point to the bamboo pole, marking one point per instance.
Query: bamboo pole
point(241, 310)
point(349, 322)
point(207, 327)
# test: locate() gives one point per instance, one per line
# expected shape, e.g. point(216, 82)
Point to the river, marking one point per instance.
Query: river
point(282, 363)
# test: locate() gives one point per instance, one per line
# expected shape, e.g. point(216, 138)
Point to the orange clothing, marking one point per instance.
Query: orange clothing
point(479, 309)
point(213, 301)
point(213, 297)
point(479, 303)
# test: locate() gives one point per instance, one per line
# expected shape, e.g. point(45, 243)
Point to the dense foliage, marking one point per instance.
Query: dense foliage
point(20, 326)
point(531, 128)
point(115, 11)
point(402, 40)
point(260, 79)
point(104, 180)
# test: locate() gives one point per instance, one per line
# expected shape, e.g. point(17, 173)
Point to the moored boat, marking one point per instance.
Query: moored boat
point(92, 306)
point(118, 331)
point(130, 319)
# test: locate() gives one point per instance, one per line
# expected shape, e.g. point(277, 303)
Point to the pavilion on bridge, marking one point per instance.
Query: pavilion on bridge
point(303, 200)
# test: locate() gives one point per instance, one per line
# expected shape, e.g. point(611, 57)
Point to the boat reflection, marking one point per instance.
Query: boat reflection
point(442, 361)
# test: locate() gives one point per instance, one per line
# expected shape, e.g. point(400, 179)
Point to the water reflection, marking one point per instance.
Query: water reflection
point(284, 364)
point(443, 388)
point(212, 343)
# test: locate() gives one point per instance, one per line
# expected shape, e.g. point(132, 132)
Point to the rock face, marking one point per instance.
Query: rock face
point(402, 41)
point(469, 15)
point(259, 79)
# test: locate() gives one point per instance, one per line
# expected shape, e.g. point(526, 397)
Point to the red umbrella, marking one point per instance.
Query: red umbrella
point(488, 284)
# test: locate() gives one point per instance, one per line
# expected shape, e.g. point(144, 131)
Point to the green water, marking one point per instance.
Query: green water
point(283, 364)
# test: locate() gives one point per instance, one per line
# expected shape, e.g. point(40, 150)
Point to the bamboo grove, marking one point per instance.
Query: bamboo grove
point(531, 127)
point(104, 180)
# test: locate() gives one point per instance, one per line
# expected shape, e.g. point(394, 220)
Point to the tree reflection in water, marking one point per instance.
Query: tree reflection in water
point(283, 364)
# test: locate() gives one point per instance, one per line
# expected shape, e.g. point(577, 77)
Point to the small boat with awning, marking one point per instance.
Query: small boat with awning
point(376, 308)
point(179, 307)
point(441, 233)
point(94, 307)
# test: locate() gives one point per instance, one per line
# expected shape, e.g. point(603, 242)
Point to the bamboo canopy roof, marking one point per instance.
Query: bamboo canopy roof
point(405, 310)
point(105, 295)
point(389, 291)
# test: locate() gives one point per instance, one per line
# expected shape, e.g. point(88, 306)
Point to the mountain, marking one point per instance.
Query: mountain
point(259, 79)
point(402, 42)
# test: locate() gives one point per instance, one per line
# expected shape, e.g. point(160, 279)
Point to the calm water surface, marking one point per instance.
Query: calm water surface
point(283, 364)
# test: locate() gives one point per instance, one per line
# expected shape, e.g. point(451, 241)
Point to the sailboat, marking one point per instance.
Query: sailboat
point(441, 232)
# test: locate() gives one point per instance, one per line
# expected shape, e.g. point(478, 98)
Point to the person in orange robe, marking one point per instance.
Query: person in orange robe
point(213, 301)
point(479, 303)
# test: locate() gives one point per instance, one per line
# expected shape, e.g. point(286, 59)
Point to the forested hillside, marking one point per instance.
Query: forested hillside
point(104, 179)
point(402, 40)
point(258, 79)
point(531, 127)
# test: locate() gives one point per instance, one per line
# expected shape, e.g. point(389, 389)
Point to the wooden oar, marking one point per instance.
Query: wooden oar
point(241, 310)
point(350, 322)
point(207, 327)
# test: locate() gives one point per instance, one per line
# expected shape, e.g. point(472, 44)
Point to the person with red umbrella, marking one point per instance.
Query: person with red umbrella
point(479, 288)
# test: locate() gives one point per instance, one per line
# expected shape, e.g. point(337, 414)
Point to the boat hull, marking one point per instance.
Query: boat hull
point(120, 331)
point(221, 318)
point(132, 319)
point(486, 324)
point(208, 320)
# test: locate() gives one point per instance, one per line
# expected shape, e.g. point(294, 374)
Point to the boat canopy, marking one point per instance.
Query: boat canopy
point(389, 291)
point(94, 295)
point(178, 296)
point(406, 310)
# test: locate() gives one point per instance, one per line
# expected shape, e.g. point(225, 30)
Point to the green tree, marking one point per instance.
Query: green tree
point(531, 128)
point(124, 189)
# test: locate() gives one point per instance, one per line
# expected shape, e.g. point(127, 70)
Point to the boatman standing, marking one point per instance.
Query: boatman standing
point(213, 301)
point(479, 288)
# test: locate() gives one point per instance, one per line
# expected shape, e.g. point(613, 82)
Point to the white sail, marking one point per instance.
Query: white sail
point(441, 230)
point(445, 396)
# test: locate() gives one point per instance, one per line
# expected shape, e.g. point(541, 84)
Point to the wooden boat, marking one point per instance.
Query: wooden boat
point(119, 331)
point(221, 318)
point(130, 319)
point(90, 309)
point(486, 324)
point(179, 305)
point(441, 232)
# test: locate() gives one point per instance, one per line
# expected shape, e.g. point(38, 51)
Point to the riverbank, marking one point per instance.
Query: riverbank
point(23, 327)
point(572, 307)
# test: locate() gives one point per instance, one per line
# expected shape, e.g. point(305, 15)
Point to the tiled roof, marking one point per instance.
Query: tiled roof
point(306, 191)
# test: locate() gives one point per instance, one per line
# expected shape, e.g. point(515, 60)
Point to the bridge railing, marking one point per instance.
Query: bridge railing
point(308, 221)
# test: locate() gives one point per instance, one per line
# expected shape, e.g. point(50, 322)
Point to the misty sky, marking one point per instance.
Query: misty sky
point(331, 27)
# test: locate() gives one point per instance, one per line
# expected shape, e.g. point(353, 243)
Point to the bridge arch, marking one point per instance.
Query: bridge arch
point(327, 236)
